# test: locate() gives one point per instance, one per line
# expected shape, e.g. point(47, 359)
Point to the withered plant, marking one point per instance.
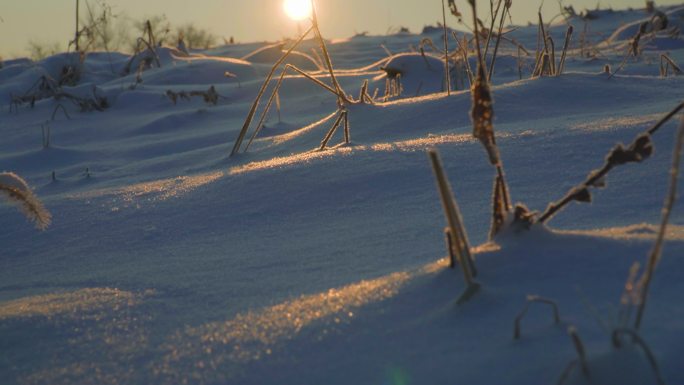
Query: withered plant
point(210, 96)
point(343, 100)
point(666, 63)
point(482, 115)
point(639, 150)
point(16, 191)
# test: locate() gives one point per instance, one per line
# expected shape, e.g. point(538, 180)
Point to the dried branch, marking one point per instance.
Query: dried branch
point(255, 104)
point(639, 150)
point(636, 338)
point(530, 300)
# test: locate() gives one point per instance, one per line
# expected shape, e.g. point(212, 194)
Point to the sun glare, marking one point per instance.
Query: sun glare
point(297, 9)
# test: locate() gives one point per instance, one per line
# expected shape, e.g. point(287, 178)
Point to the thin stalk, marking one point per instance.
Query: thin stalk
point(264, 114)
point(539, 68)
point(255, 105)
point(464, 51)
point(77, 35)
point(347, 132)
point(274, 96)
point(447, 77)
point(519, 65)
point(340, 94)
point(530, 300)
point(639, 341)
point(498, 42)
point(313, 79)
point(477, 32)
point(566, 45)
point(665, 63)
point(667, 211)
point(330, 133)
point(581, 351)
point(552, 55)
point(451, 212)
point(504, 187)
point(495, 16)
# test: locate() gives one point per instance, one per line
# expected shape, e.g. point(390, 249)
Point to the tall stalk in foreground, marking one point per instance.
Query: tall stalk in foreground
point(654, 257)
point(482, 115)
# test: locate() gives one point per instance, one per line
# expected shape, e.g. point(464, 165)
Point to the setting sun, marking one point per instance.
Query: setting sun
point(297, 9)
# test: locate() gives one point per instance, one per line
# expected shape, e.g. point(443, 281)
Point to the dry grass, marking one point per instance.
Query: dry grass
point(530, 300)
point(656, 252)
point(16, 191)
point(343, 100)
point(666, 63)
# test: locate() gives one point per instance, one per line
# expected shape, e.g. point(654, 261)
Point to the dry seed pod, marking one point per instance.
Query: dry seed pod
point(483, 115)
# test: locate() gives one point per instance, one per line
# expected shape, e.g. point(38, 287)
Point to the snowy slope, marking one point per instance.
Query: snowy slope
point(170, 262)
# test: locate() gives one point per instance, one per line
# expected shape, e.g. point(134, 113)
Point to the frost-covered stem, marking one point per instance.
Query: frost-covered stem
point(447, 77)
point(566, 45)
point(596, 176)
point(504, 186)
point(340, 93)
point(473, 5)
point(450, 247)
point(330, 133)
point(464, 51)
point(264, 114)
point(77, 35)
point(274, 96)
point(530, 300)
point(519, 65)
point(451, 212)
point(255, 105)
point(665, 63)
point(539, 65)
point(579, 347)
point(495, 16)
point(667, 210)
point(552, 56)
point(498, 40)
point(666, 119)
point(347, 131)
point(639, 341)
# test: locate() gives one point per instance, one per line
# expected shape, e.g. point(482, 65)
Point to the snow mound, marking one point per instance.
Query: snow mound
point(419, 74)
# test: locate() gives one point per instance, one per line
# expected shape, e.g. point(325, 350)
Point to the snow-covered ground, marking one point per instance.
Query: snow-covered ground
point(169, 262)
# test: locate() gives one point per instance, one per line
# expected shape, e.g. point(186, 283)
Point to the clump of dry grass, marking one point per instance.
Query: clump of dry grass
point(16, 191)
point(46, 87)
point(145, 48)
point(210, 96)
